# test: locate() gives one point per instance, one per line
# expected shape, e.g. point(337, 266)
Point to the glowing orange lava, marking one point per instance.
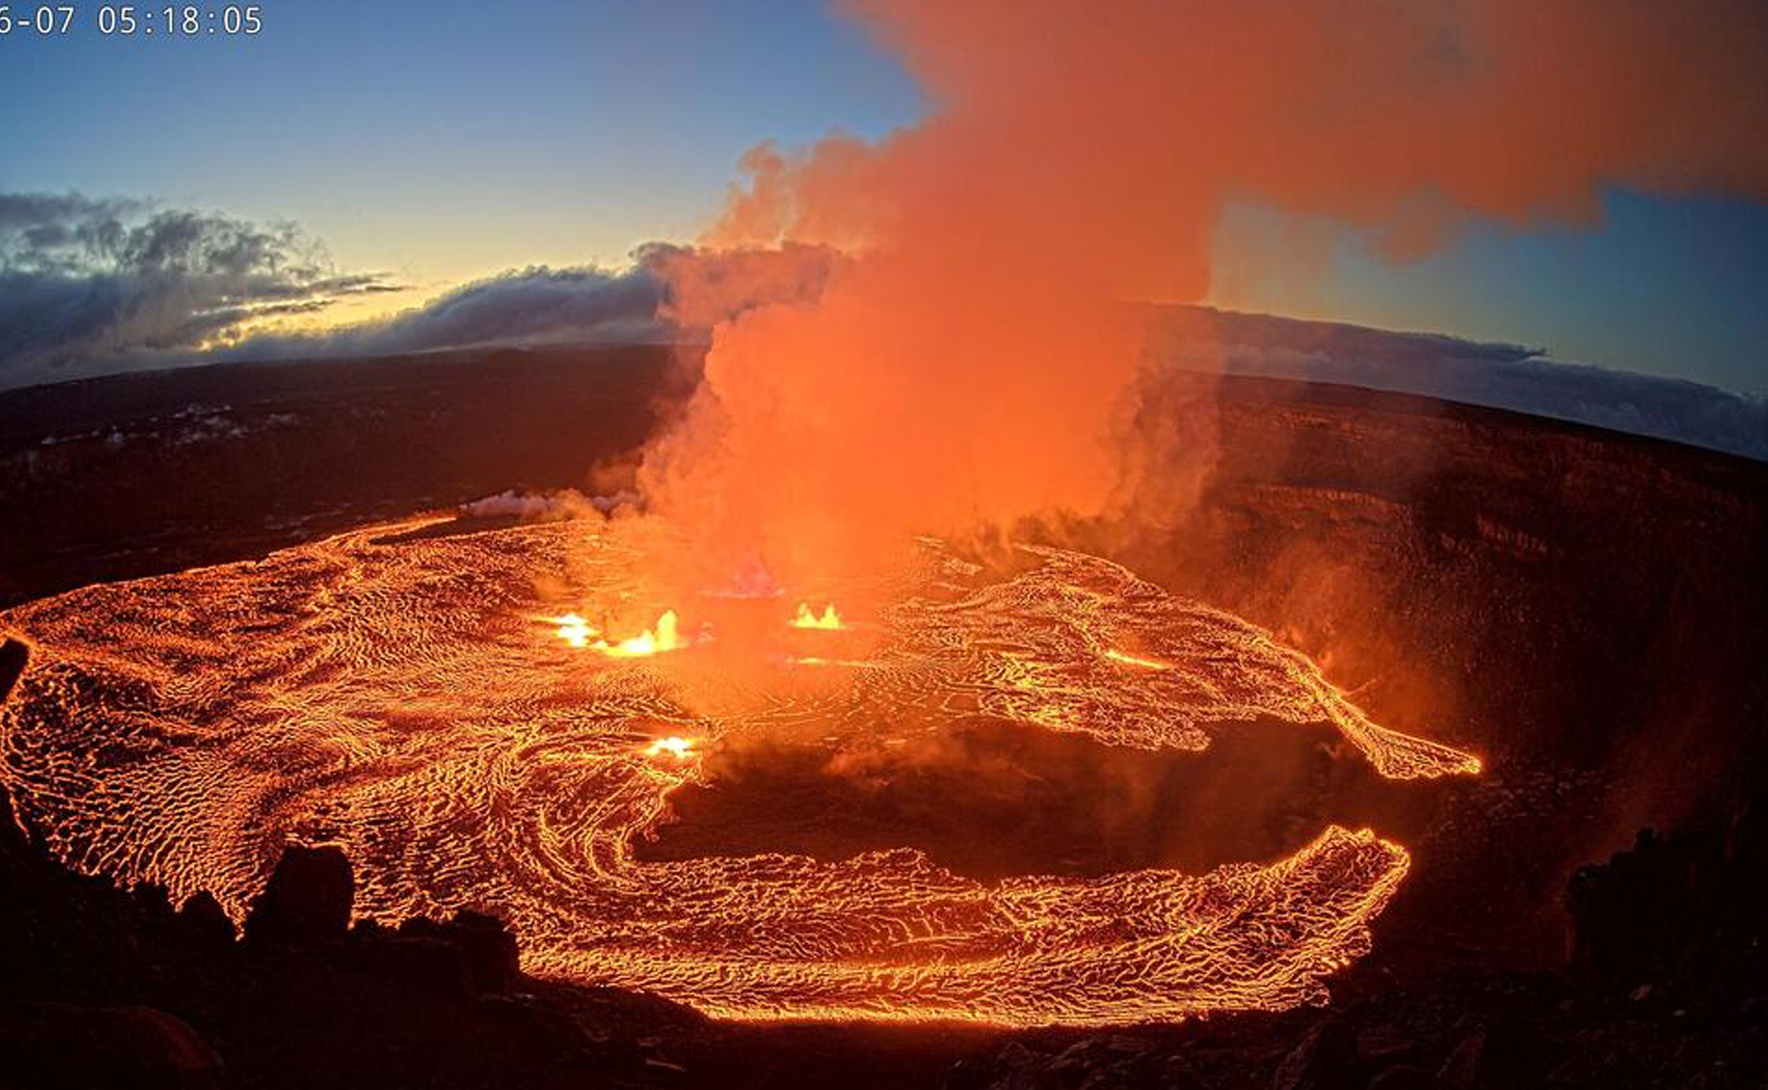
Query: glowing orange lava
point(392, 694)
point(818, 660)
point(829, 620)
point(674, 746)
point(573, 629)
point(1132, 660)
point(664, 636)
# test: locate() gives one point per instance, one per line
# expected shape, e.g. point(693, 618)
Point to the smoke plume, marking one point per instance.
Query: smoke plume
point(967, 364)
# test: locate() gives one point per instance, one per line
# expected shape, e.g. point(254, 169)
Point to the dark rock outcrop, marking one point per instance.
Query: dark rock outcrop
point(57, 1045)
point(1674, 915)
point(1107, 1061)
point(488, 954)
point(13, 657)
point(1324, 1060)
point(308, 898)
point(1505, 1054)
point(204, 922)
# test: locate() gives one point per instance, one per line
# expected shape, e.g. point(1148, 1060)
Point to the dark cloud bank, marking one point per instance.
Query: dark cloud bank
point(91, 286)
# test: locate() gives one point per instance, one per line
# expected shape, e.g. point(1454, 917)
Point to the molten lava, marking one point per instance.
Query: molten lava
point(1134, 660)
point(829, 620)
point(674, 746)
point(665, 636)
point(573, 629)
point(391, 694)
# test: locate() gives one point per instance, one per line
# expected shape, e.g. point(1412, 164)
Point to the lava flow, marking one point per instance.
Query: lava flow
point(392, 693)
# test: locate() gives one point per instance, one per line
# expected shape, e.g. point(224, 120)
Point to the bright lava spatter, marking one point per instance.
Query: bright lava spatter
point(392, 692)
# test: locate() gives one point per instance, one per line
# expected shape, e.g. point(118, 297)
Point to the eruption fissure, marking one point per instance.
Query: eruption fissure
point(828, 620)
point(665, 635)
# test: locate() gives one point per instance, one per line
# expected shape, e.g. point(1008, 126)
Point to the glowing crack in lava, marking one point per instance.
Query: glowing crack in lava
point(391, 692)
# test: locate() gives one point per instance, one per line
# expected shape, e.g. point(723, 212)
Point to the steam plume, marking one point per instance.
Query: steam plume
point(953, 372)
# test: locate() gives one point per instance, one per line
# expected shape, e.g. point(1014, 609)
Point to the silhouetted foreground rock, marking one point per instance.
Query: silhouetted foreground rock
point(1325, 1060)
point(98, 1048)
point(204, 922)
point(308, 898)
point(13, 656)
point(1686, 911)
point(103, 988)
point(489, 959)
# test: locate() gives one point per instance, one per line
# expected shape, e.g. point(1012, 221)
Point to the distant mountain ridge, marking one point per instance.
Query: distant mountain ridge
point(1487, 374)
point(1493, 375)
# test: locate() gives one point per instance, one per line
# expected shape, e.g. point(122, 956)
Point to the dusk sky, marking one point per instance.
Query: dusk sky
point(445, 143)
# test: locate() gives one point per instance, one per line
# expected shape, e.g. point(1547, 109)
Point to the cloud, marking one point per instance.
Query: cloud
point(522, 306)
point(668, 293)
point(1495, 375)
point(91, 285)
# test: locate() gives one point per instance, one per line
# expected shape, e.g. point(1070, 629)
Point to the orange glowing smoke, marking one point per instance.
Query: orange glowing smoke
point(828, 620)
point(971, 362)
point(169, 728)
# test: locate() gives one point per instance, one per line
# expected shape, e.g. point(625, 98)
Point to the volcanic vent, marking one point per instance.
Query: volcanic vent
point(474, 742)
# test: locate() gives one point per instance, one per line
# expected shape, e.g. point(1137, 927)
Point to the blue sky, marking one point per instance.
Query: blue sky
point(1674, 287)
point(447, 140)
point(444, 143)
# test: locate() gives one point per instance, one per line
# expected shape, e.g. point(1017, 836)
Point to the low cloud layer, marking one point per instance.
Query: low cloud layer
point(1500, 376)
point(89, 286)
point(522, 306)
point(668, 293)
point(94, 286)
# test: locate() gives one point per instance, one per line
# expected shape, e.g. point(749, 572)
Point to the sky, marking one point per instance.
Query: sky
point(447, 141)
point(1671, 287)
point(439, 144)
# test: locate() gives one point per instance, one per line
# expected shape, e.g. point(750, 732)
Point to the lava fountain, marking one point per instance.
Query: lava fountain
point(390, 691)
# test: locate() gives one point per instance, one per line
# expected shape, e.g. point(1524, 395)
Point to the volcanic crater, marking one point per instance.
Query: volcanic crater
point(403, 692)
point(403, 689)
